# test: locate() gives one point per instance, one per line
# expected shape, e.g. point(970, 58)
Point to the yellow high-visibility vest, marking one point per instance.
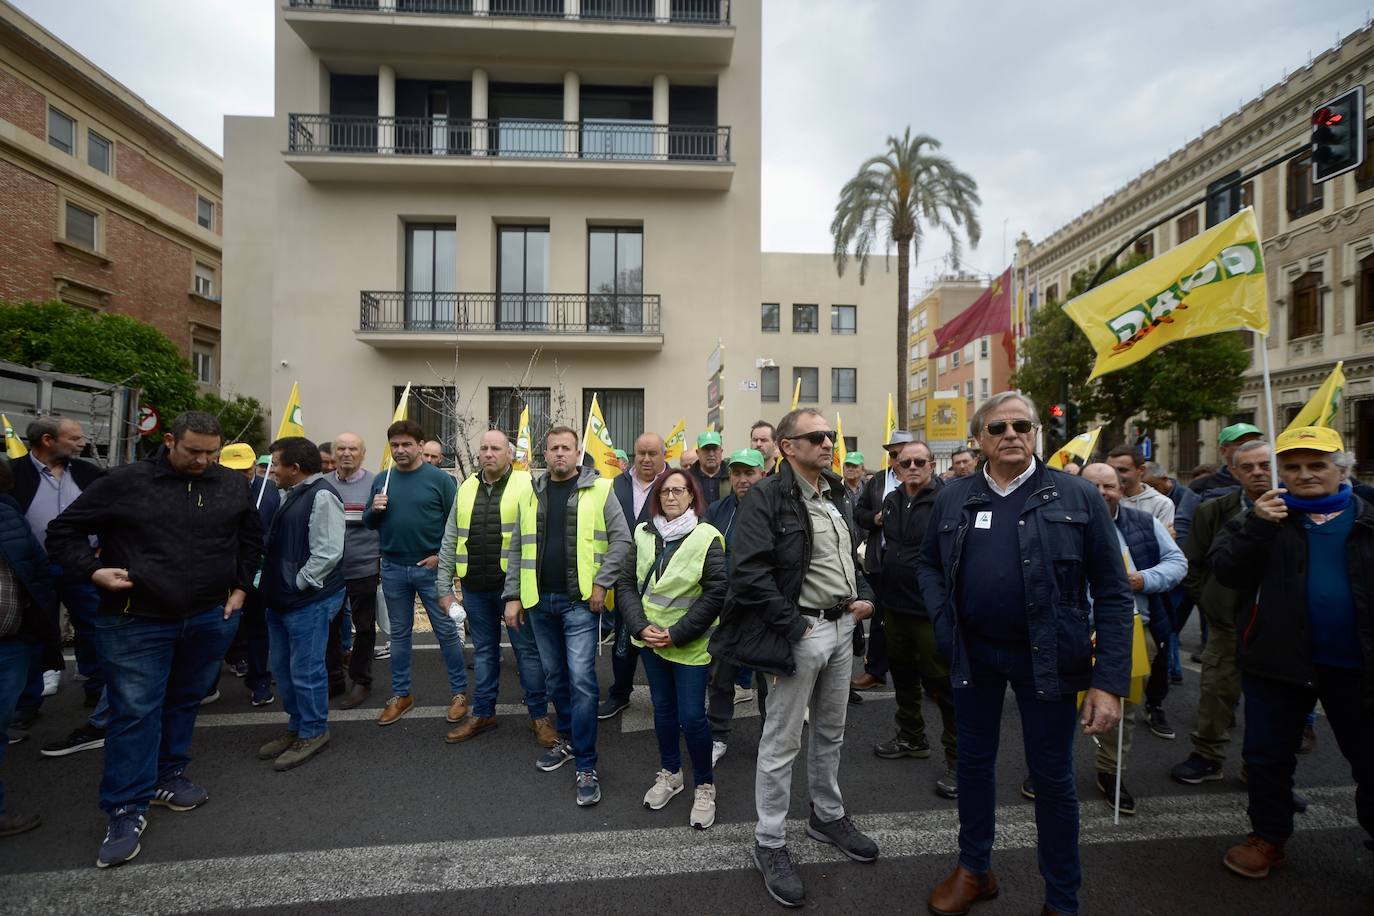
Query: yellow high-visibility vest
point(668, 597)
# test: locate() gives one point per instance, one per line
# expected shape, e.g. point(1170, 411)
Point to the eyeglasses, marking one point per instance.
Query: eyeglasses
point(674, 492)
point(913, 462)
point(998, 427)
point(817, 437)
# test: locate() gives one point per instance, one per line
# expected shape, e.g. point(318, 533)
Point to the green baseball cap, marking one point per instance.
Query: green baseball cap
point(710, 437)
point(620, 453)
point(750, 457)
point(265, 460)
point(854, 458)
point(1236, 430)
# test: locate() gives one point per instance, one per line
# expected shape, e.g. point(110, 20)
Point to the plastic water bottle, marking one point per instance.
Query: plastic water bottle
point(458, 616)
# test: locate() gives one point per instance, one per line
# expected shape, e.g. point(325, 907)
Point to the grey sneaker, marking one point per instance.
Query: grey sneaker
point(666, 785)
point(121, 837)
point(588, 788)
point(780, 879)
point(718, 749)
point(703, 806)
point(179, 793)
point(844, 836)
point(555, 756)
point(899, 747)
point(947, 786)
point(274, 748)
point(300, 751)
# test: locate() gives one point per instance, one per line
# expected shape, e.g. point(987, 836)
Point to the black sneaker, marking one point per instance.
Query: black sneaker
point(844, 836)
point(947, 786)
point(1106, 784)
point(898, 747)
point(555, 756)
point(85, 738)
point(855, 699)
point(122, 837)
point(1159, 723)
point(780, 879)
point(1196, 770)
point(612, 708)
point(179, 793)
point(1028, 788)
point(588, 788)
point(240, 668)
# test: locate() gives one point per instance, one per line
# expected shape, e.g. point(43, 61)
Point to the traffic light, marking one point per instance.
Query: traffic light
point(1072, 421)
point(1059, 424)
point(1338, 135)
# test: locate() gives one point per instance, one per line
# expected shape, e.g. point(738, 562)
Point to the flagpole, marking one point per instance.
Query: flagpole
point(267, 478)
point(1263, 343)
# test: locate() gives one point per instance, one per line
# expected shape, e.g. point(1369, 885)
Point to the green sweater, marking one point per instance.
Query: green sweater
point(418, 504)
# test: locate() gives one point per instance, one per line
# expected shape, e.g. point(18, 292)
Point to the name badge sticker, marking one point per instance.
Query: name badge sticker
point(983, 520)
point(830, 507)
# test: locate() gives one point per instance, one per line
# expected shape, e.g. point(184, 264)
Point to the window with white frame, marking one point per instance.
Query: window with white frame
point(954, 360)
point(982, 389)
point(968, 388)
point(983, 348)
point(203, 362)
point(205, 281)
point(921, 320)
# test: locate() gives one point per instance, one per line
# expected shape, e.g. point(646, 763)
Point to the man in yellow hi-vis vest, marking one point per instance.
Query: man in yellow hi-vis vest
point(481, 530)
point(581, 542)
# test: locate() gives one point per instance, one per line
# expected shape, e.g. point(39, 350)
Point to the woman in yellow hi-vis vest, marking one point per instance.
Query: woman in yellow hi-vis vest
point(670, 591)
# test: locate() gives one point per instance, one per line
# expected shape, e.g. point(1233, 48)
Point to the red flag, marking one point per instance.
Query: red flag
point(989, 314)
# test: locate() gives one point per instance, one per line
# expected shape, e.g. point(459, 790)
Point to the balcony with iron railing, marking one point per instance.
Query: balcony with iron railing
point(626, 321)
point(326, 147)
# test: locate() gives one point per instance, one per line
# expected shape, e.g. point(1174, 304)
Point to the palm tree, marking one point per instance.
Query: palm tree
point(900, 196)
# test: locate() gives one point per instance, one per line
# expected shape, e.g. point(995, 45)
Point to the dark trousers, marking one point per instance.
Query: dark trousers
point(624, 661)
point(916, 663)
point(82, 601)
point(720, 697)
point(360, 595)
point(250, 644)
point(1048, 728)
point(875, 660)
point(1275, 713)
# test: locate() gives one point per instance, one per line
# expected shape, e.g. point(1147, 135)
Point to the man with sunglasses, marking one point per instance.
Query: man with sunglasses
point(796, 595)
point(1005, 572)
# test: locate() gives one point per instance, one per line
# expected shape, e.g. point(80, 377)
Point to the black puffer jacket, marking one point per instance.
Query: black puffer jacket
point(769, 556)
point(28, 562)
point(905, 520)
point(186, 541)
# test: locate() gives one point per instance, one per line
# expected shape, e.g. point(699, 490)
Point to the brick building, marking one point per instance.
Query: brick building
point(104, 203)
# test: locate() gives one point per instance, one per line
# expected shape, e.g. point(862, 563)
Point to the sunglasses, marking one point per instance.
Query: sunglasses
point(998, 427)
point(817, 437)
point(914, 462)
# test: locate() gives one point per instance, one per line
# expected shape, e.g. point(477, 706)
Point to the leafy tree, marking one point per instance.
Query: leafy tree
point(895, 199)
point(1184, 382)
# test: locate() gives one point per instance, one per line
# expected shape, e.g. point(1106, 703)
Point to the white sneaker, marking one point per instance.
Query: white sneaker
point(665, 786)
point(380, 652)
point(704, 807)
point(51, 680)
point(212, 698)
point(744, 694)
point(717, 751)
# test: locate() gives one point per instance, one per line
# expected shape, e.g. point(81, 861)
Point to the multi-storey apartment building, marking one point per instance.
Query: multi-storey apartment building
point(502, 202)
point(1318, 247)
point(104, 203)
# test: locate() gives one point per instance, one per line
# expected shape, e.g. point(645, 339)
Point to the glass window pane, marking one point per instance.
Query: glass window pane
point(205, 213)
point(768, 384)
point(629, 251)
point(80, 227)
point(61, 131)
point(98, 152)
point(536, 260)
point(512, 255)
point(810, 382)
point(420, 274)
point(770, 316)
point(445, 260)
point(601, 261)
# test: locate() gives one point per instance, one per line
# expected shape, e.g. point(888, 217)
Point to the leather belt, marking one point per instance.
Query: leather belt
point(830, 613)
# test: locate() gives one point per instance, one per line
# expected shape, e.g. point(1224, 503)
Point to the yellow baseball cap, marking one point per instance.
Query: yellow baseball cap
point(238, 456)
point(1316, 438)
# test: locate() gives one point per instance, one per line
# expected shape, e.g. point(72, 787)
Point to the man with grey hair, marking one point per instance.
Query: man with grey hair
point(1005, 573)
point(361, 568)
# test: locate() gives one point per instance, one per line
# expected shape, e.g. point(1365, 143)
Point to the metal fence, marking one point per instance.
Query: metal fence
point(679, 12)
point(518, 313)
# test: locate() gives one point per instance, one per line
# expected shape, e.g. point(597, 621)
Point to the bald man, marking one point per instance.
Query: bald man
point(361, 566)
point(432, 452)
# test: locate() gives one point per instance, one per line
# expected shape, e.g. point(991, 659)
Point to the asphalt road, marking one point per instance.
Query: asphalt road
point(394, 820)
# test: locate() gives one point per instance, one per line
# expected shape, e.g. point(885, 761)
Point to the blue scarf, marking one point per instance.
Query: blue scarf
point(1324, 505)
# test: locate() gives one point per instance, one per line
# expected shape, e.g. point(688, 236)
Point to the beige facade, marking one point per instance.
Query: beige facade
point(1318, 245)
point(488, 206)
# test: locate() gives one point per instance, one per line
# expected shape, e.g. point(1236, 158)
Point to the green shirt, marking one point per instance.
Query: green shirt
point(418, 505)
point(830, 577)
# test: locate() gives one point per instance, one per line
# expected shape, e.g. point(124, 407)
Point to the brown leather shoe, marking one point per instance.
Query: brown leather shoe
point(865, 681)
point(395, 708)
point(458, 707)
point(470, 728)
point(1254, 857)
point(544, 732)
point(357, 695)
point(960, 891)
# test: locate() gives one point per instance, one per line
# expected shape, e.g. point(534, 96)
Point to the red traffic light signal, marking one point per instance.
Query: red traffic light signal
point(1057, 411)
point(1327, 117)
point(1338, 135)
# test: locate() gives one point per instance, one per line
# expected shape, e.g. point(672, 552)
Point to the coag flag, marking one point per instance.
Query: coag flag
point(796, 393)
point(1080, 446)
point(889, 427)
point(676, 441)
point(1209, 284)
point(1325, 404)
point(401, 413)
point(13, 447)
point(596, 441)
point(839, 454)
point(291, 417)
point(522, 441)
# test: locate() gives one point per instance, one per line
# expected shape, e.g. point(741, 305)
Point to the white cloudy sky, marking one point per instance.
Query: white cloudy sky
point(1049, 106)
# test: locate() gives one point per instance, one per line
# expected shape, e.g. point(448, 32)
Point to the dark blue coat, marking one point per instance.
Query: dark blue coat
point(30, 565)
point(1068, 546)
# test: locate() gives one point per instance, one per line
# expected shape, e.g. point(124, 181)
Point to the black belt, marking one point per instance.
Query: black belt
point(830, 613)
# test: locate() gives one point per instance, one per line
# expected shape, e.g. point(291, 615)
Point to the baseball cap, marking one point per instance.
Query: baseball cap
point(710, 437)
point(1317, 438)
point(1236, 430)
point(237, 456)
point(750, 457)
point(265, 460)
point(899, 437)
point(620, 453)
point(854, 458)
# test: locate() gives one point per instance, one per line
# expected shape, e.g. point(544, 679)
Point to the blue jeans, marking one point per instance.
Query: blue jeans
point(566, 632)
point(14, 664)
point(485, 613)
point(157, 673)
point(400, 584)
point(82, 601)
point(1048, 728)
point(678, 693)
point(296, 639)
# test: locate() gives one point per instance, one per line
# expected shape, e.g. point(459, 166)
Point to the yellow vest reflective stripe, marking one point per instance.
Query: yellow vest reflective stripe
point(592, 540)
point(668, 597)
point(517, 488)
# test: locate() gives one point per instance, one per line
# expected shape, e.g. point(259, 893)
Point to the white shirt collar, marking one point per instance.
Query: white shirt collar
point(1015, 482)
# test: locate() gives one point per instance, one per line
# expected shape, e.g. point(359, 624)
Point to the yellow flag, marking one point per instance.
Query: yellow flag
point(676, 441)
point(400, 414)
point(1209, 284)
point(13, 447)
point(889, 427)
point(796, 393)
point(839, 454)
point(522, 441)
point(1140, 663)
point(596, 441)
point(1080, 446)
point(1325, 404)
point(291, 417)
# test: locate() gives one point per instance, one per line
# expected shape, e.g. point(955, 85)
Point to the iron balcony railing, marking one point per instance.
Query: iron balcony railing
point(515, 313)
point(678, 12)
point(506, 138)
